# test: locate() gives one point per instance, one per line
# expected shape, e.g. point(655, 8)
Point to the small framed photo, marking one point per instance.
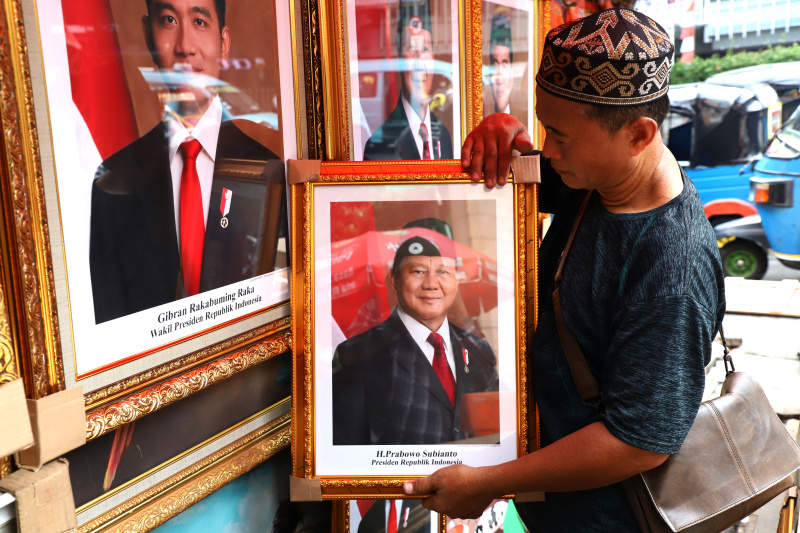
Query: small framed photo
point(404, 84)
point(508, 59)
point(409, 322)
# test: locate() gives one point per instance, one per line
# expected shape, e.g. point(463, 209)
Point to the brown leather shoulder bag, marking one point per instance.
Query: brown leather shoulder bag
point(736, 457)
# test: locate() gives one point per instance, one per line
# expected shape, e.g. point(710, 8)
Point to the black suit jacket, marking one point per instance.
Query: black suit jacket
point(374, 520)
point(134, 255)
point(386, 392)
point(393, 140)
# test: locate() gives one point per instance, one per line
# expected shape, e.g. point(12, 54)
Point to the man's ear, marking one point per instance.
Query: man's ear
point(226, 43)
point(642, 132)
point(393, 281)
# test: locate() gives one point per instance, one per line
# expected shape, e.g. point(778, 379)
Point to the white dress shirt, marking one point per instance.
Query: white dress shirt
point(419, 332)
point(207, 132)
point(413, 123)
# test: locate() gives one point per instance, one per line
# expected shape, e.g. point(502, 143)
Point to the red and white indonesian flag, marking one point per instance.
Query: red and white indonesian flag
point(97, 78)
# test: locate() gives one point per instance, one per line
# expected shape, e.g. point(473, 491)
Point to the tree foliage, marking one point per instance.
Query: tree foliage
point(701, 68)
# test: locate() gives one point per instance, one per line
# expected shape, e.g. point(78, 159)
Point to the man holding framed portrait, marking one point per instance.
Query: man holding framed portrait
point(167, 221)
point(405, 380)
point(643, 291)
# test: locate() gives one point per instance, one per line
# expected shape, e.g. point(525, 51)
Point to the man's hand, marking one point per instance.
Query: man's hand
point(489, 148)
point(456, 491)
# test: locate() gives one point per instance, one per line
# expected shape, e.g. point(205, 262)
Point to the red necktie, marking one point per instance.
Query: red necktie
point(423, 132)
point(391, 523)
point(441, 367)
point(193, 226)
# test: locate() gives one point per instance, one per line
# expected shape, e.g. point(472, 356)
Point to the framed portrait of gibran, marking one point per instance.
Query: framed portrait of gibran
point(160, 141)
point(409, 319)
point(144, 238)
point(508, 58)
point(404, 75)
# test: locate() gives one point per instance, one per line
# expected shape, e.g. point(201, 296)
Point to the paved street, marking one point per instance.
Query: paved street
point(768, 351)
point(777, 272)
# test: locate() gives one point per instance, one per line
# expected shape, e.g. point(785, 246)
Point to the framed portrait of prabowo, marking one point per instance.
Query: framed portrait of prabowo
point(509, 50)
point(410, 313)
point(402, 78)
point(151, 225)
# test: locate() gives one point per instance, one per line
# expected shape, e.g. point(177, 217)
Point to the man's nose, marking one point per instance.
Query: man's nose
point(185, 44)
point(429, 281)
point(549, 150)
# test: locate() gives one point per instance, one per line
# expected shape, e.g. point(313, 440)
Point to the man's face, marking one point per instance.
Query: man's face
point(581, 151)
point(426, 287)
point(500, 57)
point(184, 35)
point(416, 46)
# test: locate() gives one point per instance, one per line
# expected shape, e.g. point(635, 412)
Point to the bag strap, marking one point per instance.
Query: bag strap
point(587, 386)
point(727, 357)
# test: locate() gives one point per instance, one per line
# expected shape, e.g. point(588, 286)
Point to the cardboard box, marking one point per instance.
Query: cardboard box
point(16, 433)
point(59, 425)
point(44, 498)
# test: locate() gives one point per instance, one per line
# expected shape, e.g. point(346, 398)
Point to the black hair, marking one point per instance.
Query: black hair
point(219, 7)
point(613, 118)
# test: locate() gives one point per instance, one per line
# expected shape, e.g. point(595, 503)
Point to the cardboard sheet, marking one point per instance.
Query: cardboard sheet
point(59, 425)
point(44, 498)
point(17, 433)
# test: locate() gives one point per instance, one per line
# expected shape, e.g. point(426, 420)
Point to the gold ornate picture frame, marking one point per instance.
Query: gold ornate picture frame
point(112, 468)
point(369, 55)
point(44, 295)
point(160, 493)
point(359, 416)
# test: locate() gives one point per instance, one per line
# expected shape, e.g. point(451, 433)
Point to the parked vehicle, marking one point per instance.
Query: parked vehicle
point(783, 77)
point(744, 247)
point(714, 131)
point(776, 195)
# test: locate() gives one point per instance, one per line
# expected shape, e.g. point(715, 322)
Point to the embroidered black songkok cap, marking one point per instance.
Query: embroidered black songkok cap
point(420, 246)
point(614, 57)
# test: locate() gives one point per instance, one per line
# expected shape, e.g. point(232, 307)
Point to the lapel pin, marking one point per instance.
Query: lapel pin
point(465, 354)
point(405, 517)
point(225, 206)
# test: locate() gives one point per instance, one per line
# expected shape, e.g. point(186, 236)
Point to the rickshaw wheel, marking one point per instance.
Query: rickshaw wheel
point(743, 259)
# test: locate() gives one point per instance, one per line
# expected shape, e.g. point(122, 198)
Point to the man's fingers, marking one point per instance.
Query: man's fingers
point(476, 165)
point(523, 142)
point(418, 487)
point(505, 140)
point(429, 503)
point(466, 153)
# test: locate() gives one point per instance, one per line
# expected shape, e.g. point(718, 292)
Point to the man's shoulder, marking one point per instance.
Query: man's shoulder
point(134, 165)
point(370, 342)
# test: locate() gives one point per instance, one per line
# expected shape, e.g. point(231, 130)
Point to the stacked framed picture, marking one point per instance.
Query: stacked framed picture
point(161, 249)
